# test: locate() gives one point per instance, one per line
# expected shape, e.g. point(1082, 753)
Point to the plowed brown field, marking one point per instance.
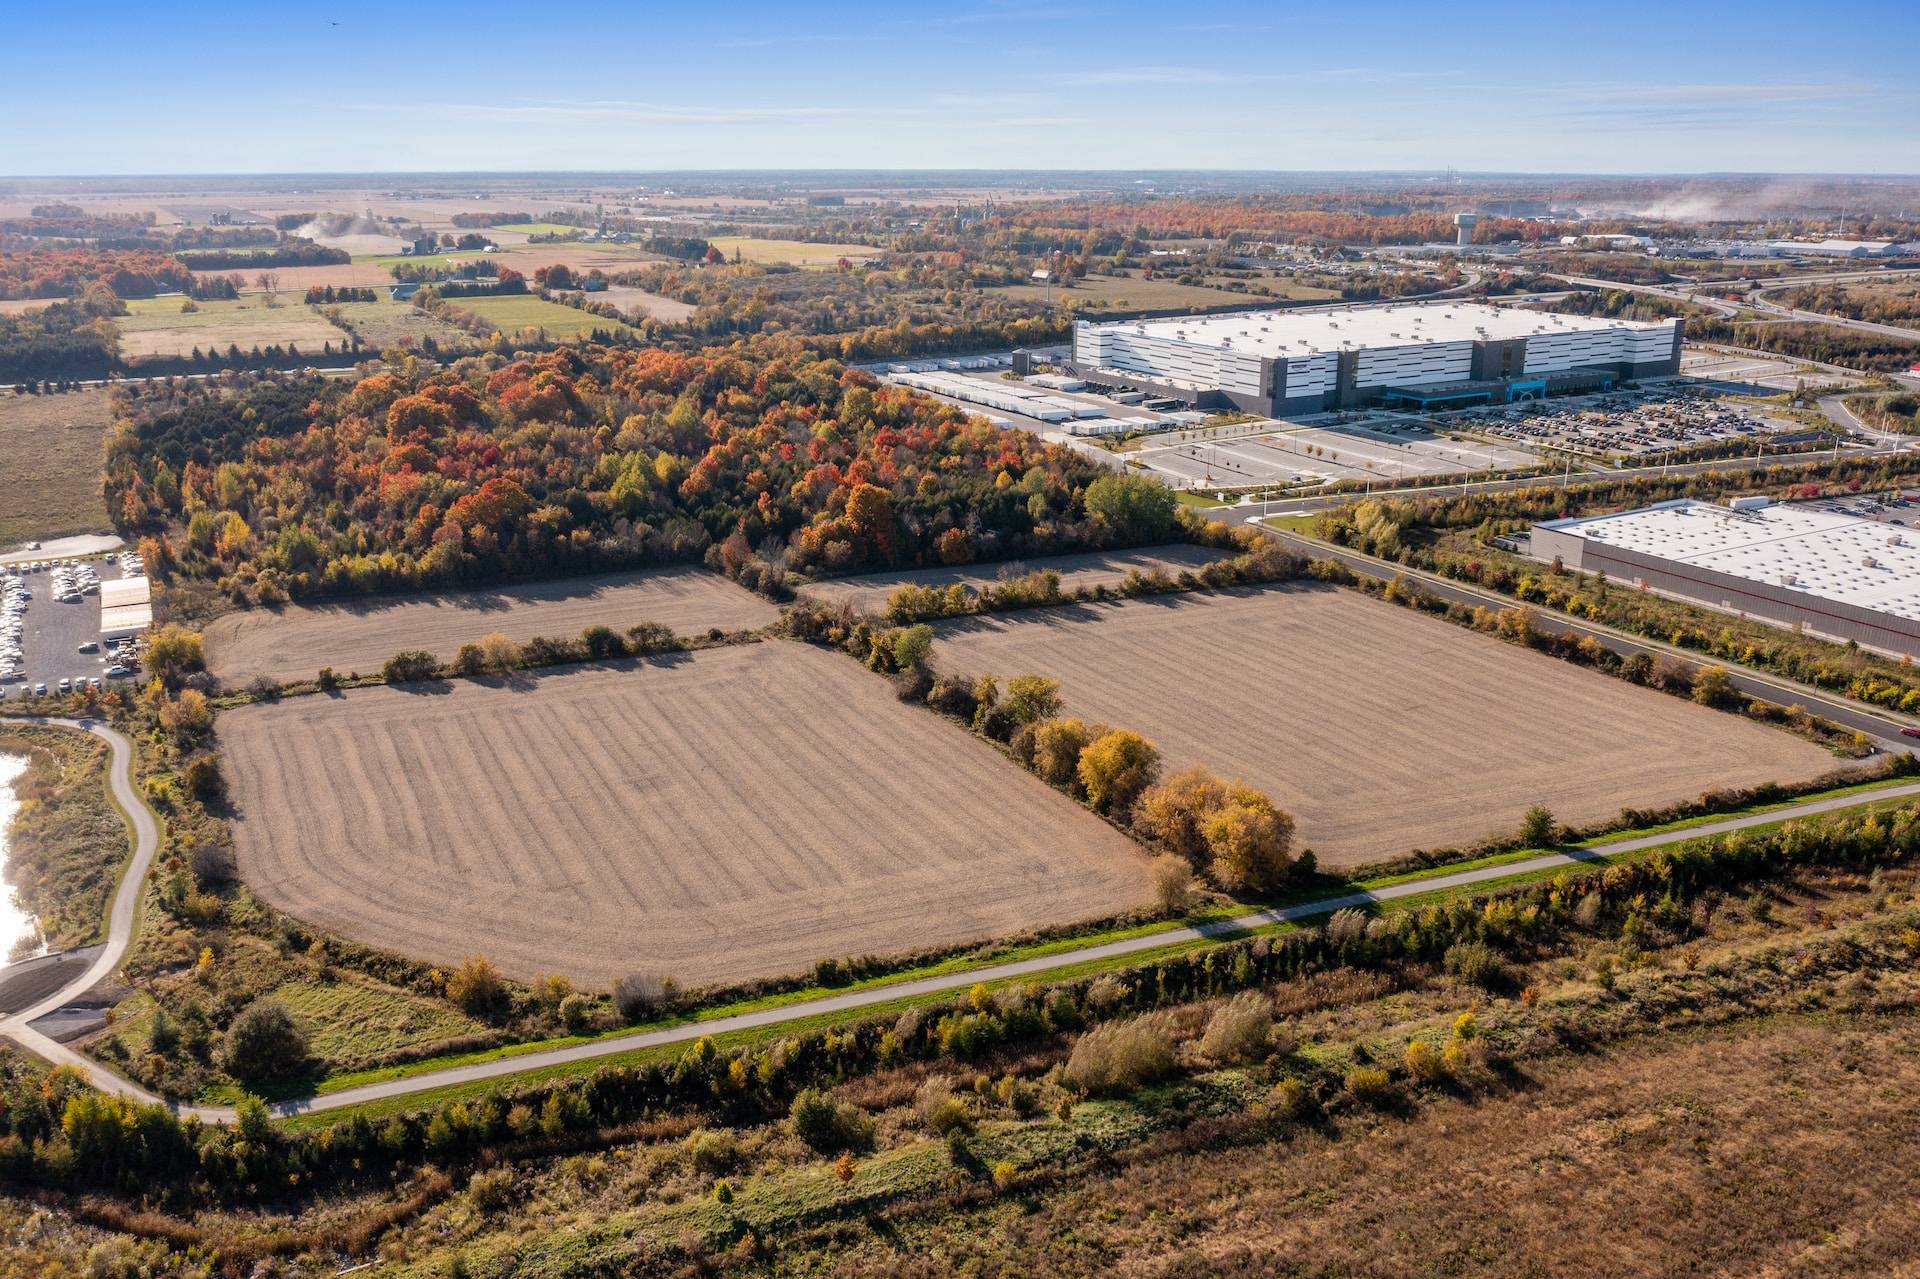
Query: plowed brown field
point(295, 642)
point(732, 813)
point(1382, 730)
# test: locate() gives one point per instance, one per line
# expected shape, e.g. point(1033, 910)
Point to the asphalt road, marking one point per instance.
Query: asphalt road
point(1881, 725)
point(855, 1000)
point(120, 934)
point(18, 1027)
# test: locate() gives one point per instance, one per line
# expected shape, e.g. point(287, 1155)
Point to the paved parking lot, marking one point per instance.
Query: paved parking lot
point(1634, 424)
point(1384, 447)
point(53, 630)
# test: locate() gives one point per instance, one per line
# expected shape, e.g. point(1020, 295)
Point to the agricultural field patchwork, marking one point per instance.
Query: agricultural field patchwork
point(50, 450)
point(1382, 730)
point(733, 813)
point(360, 635)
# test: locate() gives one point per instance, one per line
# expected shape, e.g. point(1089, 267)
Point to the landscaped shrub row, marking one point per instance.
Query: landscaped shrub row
point(60, 1134)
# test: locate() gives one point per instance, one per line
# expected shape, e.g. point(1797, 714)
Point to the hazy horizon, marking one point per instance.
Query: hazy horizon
point(356, 88)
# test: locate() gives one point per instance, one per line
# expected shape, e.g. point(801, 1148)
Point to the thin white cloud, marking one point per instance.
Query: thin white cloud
point(617, 112)
point(1043, 122)
point(1158, 75)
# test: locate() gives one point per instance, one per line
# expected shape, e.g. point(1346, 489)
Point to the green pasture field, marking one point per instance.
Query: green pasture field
point(514, 313)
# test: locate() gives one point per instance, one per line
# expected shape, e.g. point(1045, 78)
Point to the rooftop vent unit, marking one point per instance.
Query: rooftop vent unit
point(1867, 561)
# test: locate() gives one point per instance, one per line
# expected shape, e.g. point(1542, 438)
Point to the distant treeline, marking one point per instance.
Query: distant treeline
point(291, 252)
point(491, 219)
point(64, 273)
point(1823, 343)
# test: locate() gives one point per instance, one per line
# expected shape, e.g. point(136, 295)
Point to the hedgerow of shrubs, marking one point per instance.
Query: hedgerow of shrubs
point(55, 1133)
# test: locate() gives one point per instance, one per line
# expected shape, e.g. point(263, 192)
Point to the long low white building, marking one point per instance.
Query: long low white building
point(1429, 354)
point(1837, 575)
point(126, 607)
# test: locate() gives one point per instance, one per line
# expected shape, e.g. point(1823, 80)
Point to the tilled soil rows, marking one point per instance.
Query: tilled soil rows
point(733, 813)
point(360, 635)
point(1382, 730)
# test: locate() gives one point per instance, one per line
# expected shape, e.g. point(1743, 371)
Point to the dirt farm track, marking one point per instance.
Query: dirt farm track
point(736, 812)
point(360, 635)
point(1381, 729)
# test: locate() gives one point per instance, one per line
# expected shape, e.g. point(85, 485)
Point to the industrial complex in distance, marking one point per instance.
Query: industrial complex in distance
point(1427, 355)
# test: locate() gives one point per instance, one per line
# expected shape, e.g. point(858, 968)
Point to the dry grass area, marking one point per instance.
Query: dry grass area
point(1784, 1147)
point(666, 310)
point(793, 252)
point(1137, 293)
point(247, 322)
point(298, 279)
point(1381, 729)
point(1077, 572)
point(383, 324)
point(296, 641)
point(50, 453)
point(734, 813)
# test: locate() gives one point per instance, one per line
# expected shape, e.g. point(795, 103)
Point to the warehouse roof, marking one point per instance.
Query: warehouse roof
point(1282, 334)
point(122, 591)
point(1845, 558)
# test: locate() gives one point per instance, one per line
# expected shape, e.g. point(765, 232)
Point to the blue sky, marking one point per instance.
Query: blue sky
point(219, 87)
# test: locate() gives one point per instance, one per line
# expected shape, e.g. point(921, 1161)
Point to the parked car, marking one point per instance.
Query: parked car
point(66, 685)
point(91, 646)
point(117, 671)
point(39, 690)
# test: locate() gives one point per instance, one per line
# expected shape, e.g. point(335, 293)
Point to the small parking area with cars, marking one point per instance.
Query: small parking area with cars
point(50, 624)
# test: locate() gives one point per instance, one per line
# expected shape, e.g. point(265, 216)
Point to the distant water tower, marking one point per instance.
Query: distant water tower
point(1466, 222)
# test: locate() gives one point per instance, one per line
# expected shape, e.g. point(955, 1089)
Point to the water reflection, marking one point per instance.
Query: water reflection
point(16, 926)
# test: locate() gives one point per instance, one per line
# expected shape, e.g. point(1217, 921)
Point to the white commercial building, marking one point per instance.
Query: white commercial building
point(1843, 576)
point(1839, 248)
point(1289, 363)
point(126, 607)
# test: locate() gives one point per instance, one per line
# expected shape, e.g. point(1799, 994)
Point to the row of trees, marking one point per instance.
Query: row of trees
point(54, 1132)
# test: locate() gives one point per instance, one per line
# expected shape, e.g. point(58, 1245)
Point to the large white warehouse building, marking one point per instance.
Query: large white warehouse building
point(1834, 574)
point(1430, 354)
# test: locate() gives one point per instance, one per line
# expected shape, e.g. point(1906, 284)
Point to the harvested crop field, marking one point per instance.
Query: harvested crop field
point(732, 813)
point(360, 635)
point(1382, 730)
point(1077, 572)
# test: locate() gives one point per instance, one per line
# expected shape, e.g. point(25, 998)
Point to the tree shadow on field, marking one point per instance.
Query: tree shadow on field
point(424, 687)
point(1084, 612)
point(529, 679)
